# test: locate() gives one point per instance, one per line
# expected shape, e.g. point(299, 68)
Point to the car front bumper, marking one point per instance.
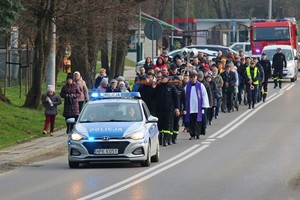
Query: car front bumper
point(128, 151)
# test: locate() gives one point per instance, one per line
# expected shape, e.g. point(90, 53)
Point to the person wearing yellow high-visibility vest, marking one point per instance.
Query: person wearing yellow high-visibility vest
point(252, 76)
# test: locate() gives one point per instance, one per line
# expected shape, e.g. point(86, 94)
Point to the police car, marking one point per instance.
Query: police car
point(114, 128)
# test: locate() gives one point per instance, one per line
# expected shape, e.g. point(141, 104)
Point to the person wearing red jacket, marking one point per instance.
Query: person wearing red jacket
point(160, 63)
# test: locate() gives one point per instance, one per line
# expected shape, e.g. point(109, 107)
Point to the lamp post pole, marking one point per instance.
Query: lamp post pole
point(270, 9)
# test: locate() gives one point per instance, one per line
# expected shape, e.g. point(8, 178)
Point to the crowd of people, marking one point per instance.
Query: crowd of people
point(194, 90)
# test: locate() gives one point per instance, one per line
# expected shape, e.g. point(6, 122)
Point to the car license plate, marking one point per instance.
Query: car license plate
point(106, 151)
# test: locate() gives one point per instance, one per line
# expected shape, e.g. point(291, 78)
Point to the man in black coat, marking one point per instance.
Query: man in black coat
point(266, 64)
point(166, 100)
point(279, 62)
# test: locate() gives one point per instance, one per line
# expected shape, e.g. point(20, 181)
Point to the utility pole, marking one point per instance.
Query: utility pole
point(270, 9)
point(139, 48)
point(50, 71)
point(172, 34)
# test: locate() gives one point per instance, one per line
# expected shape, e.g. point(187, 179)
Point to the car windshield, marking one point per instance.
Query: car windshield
point(270, 53)
point(111, 112)
point(271, 34)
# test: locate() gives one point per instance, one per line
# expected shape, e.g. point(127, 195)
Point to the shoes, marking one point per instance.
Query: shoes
point(44, 132)
point(209, 122)
point(192, 138)
point(197, 137)
point(229, 111)
point(223, 111)
point(51, 134)
point(216, 117)
point(275, 86)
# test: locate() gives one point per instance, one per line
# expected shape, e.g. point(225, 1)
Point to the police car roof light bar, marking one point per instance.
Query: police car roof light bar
point(115, 95)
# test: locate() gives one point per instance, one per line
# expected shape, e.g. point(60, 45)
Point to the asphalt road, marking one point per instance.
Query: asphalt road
point(246, 155)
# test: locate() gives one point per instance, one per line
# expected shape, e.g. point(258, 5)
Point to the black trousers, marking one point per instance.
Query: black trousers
point(194, 126)
point(165, 120)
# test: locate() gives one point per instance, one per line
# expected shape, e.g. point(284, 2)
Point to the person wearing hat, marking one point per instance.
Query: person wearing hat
point(84, 97)
point(121, 78)
point(266, 65)
point(279, 62)
point(70, 92)
point(229, 81)
point(252, 75)
point(166, 104)
point(113, 86)
point(122, 87)
point(103, 85)
point(196, 98)
point(50, 101)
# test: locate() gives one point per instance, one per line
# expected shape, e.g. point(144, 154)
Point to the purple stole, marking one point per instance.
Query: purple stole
point(199, 97)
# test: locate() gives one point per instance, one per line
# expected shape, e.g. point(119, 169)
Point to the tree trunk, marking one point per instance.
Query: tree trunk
point(39, 63)
point(41, 53)
point(3, 98)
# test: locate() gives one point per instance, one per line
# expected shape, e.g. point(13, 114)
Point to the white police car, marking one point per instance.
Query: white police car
point(114, 128)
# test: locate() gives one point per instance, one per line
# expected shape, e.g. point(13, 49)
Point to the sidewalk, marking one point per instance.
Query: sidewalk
point(21, 153)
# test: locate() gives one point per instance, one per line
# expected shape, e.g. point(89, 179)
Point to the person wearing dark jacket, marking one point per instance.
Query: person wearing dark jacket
point(166, 100)
point(214, 90)
point(146, 94)
point(261, 78)
point(229, 80)
point(113, 86)
point(102, 75)
point(70, 92)
point(210, 100)
point(181, 96)
point(279, 62)
point(50, 101)
point(266, 64)
point(252, 75)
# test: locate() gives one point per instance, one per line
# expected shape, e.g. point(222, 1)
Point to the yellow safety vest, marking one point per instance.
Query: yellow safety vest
point(254, 75)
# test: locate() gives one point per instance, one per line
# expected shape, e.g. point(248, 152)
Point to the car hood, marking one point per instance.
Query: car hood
point(108, 129)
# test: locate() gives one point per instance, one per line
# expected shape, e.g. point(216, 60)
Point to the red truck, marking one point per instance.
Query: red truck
point(273, 32)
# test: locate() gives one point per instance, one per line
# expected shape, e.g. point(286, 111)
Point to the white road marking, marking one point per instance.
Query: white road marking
point(182, 157)
point(210, 140)
point(248, 116)
point(290, 87)
point(205, 142)
point(140, 174)
point(153, 173)
point(240, 117)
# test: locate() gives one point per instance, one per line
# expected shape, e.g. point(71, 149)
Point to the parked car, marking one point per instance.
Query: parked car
point(114, 128)
point(244, 46)
point(291, 71)
point(216, 48)
point(211, 54)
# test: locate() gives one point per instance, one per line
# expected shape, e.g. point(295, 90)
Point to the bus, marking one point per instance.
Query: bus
point(273, 32)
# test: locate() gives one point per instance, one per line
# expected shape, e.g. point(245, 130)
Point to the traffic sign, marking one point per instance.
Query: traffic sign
point(153, 30)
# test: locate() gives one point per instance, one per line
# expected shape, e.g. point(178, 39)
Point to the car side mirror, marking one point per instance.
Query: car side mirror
point(152, 119)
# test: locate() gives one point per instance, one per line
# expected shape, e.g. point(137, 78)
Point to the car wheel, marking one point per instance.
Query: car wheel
point(147, 162)
point(155, 158)
point(292, 79)
point(73, 164)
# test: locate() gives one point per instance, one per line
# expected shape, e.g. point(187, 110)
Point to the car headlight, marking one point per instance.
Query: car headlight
point(76, 136)
point(137, 135)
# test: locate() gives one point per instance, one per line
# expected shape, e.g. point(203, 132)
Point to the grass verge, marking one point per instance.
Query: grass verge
point(19, 124)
